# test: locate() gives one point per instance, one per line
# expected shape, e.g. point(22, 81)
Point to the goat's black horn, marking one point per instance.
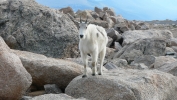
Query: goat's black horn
point(80, 19)
point(86, 20)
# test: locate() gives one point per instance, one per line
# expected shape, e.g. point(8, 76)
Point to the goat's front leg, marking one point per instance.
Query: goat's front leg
point(85, 61)
point(94, 63)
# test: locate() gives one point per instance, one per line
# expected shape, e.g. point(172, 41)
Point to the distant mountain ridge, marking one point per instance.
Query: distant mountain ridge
point(162, 22)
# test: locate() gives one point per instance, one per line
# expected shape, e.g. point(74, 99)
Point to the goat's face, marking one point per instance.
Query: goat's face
point(82, 30)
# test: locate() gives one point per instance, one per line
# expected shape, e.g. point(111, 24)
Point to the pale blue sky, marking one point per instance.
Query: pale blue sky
point(129, 9)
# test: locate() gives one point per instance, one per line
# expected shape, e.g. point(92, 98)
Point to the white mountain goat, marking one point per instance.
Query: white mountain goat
point(93, 40)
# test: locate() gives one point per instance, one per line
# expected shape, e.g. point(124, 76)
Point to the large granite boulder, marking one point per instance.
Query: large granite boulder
point(14, 79)
point(84, 14)
point(98, 10)
point(49, 70)
point(168, 68)
point(173, 42)
point(156, 47)
point(113, 34)
point(166, 64)
point(27, 25)
point(104, 24)
point(117, 19)
point(67, 10)
point(141, 25)
point(121, 27)
point(54, 97)
point(110, 12)
point(147, 60)
point(163, 60)
point(119, 62)
point(131, 36)
point(125, 84)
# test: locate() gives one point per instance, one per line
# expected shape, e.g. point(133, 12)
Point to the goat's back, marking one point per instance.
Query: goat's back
point(96, 30)
point(98, 34)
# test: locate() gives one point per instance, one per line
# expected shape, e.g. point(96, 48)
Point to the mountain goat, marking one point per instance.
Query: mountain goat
point(93, 40)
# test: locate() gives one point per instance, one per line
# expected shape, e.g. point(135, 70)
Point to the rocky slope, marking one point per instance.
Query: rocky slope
point(140, 63)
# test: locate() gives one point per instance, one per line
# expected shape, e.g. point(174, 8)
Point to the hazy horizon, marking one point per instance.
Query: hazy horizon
point(146, 10)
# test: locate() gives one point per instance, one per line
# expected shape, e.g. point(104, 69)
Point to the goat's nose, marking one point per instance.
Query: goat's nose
point(81, 36)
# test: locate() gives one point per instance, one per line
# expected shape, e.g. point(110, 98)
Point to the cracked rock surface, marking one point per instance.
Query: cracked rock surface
point(125, 84)
point(27, 25)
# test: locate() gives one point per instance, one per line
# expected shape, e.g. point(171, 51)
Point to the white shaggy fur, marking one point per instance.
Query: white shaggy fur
point(93, 40)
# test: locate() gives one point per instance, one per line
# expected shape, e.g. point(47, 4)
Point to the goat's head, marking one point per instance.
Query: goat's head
point(82, 28)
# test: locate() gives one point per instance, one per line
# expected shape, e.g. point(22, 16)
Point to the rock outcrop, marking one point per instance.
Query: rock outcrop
point(169, 68)
point(124, 84)
point(26, 25)
point(131, 36)
point(55, 97)
point(166, 64)
point(49, 70)
point(156, 47)
point(68, 10)
point(14, 78)
point(147, 60)
point(137, 64)
point(162, 61)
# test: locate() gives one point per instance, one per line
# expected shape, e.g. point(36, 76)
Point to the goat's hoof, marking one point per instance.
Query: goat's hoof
point(93, 74)
point(84, 76)
point(99, 73)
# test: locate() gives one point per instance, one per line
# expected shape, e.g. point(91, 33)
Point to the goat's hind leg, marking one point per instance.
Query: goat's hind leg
point(85, 61)
point(102, 56)
point(94, 63)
